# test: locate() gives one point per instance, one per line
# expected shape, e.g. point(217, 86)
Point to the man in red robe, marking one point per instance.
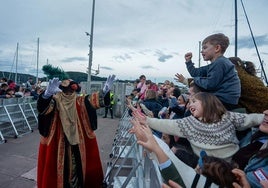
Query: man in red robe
point(68, 151)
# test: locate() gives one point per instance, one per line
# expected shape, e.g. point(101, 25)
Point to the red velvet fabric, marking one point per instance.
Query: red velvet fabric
point(51, 154)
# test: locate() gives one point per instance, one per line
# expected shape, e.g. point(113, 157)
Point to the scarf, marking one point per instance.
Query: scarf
point(66, 105)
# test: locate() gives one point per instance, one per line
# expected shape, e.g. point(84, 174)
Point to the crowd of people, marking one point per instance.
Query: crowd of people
point(219, 127)
point(10, 89)
point(224, 114)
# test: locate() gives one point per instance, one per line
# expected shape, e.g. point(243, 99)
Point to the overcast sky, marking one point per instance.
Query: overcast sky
point(131, 37)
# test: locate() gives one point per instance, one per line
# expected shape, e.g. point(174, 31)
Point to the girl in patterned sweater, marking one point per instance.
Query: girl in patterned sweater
point(210, 127)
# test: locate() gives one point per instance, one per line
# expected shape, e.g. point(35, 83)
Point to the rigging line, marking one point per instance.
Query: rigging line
point(216, 21)
point(15, 56)
point(261, 63)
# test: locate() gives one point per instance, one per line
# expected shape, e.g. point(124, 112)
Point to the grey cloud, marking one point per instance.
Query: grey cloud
point(148, 67)
point(162, 57)
point(265, 53)
point(72, 59)
point(145, 51)
point(122, 58)
point(247, 42)
point(5, 65)
point(106, 68)
point(22, 66)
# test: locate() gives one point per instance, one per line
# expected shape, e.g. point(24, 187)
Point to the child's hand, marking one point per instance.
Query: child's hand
point(180, 78)
point(188, 56)
point(139, 116)
point(146, 138)
point(136, 129)
point(144, 135)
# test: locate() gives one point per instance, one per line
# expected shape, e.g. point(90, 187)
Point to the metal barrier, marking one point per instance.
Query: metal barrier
point(17, 116)
point(129, 167)
point(2, 139)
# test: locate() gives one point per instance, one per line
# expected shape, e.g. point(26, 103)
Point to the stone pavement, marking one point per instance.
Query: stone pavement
point(18, 157)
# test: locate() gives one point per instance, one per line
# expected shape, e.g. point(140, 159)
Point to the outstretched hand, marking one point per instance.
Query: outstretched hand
point(139, 116)
point(52, 87)
point(241, 178)
point(148, 141)
point(180, 78)
point(144, 135)
point(129, 104)
point(108, 84)
point(137, 130)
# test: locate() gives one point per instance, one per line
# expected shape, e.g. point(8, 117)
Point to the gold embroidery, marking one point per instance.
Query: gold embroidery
point(49, 108)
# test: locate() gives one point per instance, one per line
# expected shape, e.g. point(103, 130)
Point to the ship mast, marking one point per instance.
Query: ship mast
point(37, 61)
point(16, 67)
point(236, 26)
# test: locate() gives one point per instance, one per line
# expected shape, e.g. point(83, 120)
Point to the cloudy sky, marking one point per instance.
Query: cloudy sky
point(131, 37)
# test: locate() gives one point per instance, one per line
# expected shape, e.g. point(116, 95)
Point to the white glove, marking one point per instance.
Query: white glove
point(52, 88)
point(108, 84)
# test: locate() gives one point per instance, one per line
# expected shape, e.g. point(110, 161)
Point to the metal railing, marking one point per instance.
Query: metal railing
point(130, 167)
point(18, 116)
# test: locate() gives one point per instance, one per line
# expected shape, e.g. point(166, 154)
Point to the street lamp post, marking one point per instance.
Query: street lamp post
point(90, 52)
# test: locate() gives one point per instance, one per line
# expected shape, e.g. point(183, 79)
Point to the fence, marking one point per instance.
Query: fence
point(17, 117)
point(129, 167)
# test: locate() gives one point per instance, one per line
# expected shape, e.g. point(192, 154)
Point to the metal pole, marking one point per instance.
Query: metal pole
point(37, 61)
point(90, 54)
point(47, 77)
point(199, 57)
point(17, 57)
point(236, 27)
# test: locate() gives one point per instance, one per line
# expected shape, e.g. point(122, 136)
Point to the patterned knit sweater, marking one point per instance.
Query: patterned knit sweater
point(217, 139)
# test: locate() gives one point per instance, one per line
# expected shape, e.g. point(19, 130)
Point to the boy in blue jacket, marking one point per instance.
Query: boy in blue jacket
point(219, 77)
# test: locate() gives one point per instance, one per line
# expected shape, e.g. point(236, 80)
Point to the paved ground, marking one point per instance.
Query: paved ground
point(18, 157)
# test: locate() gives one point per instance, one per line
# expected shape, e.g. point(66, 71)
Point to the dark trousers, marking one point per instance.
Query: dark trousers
point(110, 108)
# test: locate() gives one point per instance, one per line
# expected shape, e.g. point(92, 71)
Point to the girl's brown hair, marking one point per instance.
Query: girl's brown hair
point(213, 109)
point(219, 171)
point(248, 66)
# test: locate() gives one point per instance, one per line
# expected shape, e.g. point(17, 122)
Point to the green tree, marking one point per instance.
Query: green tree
point(56, 72)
